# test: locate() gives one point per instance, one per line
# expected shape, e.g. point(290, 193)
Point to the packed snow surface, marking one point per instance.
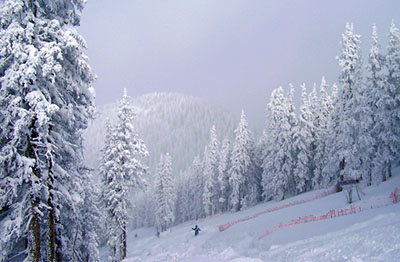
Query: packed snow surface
point(367, 230)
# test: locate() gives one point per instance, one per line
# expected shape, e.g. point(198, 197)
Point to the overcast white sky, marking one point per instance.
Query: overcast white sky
point(229, 52)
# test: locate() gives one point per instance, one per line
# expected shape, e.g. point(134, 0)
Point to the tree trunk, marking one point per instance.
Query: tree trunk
point(35, 200)
point(51, 225)
point(123, 241)
point(370, 175)
point(52, 215)
point(384, 171)
point(350, 194)
point(35, 228)
point(342, 164)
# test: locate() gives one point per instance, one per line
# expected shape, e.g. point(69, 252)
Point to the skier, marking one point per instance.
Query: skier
point(196, 230)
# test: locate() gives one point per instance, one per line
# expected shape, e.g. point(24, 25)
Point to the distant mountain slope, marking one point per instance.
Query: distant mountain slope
point(167, 122)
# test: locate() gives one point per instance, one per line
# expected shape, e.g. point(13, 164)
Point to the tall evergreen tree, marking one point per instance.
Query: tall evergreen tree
point(45, 101)
point(391, 101)
point(184, 197)
point(85, 241)
point(244, 186)
point(277, 161)
point(165, 193)
point(121, 169)
point(324, 118)
point(292, 153)
point(223, 175)
point(346, 154)
point(197, 185)
point(305, 141)
point(375, 92)
point(211, 189)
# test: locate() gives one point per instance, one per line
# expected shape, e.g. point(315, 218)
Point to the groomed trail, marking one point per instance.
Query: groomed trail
point(322, 229)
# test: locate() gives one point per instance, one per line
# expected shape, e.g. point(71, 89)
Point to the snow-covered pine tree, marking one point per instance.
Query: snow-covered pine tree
point(105, 162)
point(375, 93)
point(164, 193)
point(179, 186)
point(45, 100)
point(197, 185)
point(223, 175)
point(261, 153)
point(110, 181)
point(292, 133)
point(275, 179)
point(314, 108)
point(211, 188)
point(304, 141)
point(253, 178)
point(346, 155)
point(85, 241)
point(184, 197)
point(242, 181)
point(324, 116)
point(391, 102)
point(121, 169)
point(365, 115)
point(330, 170)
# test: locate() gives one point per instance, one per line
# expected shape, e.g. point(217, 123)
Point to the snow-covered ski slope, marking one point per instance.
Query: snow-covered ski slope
point(323, 229)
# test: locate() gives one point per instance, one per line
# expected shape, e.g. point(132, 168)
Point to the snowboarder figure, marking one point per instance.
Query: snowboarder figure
point(158, 234)
point(196, 230)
